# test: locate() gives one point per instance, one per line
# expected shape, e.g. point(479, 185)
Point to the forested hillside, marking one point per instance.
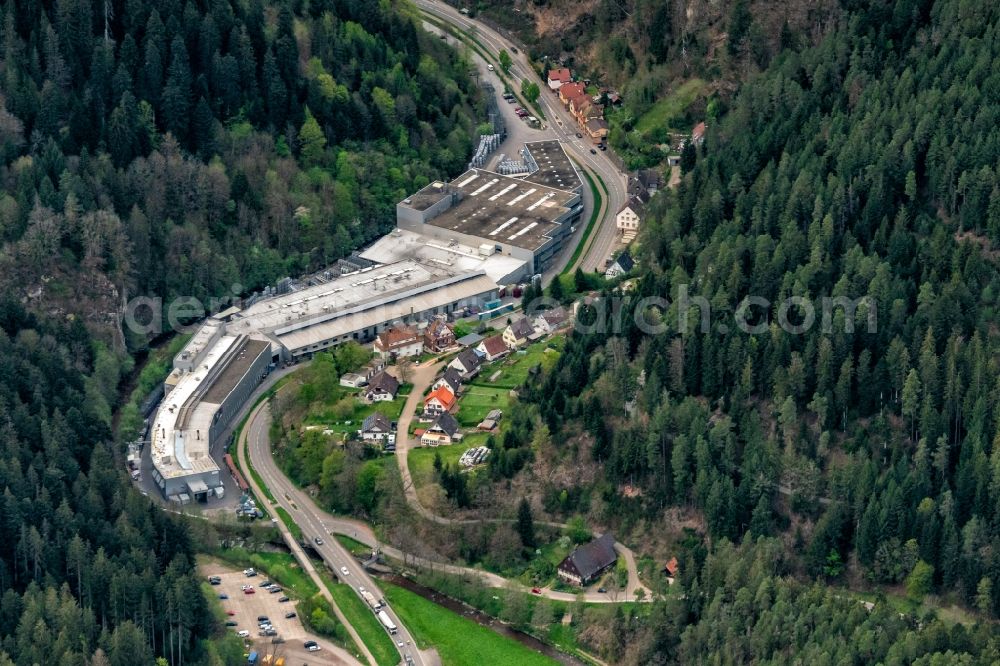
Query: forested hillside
point(182, 148)
point(86, 565)
point(863, 167)
point(170, 149)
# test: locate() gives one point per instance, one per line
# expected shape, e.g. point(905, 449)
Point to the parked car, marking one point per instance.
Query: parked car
point(266, 583)
point(282, 600)
point(535, 590)
point(230, 613)
point(603, 147)
point(250, 573)
point(231, 623)
point(262, 618)
point(243, 633)
point(249, 590)
point(312, 646)
point(602, 590)
point(215, 580)
point(289, 615)
point(274, 589)
point(223, 596)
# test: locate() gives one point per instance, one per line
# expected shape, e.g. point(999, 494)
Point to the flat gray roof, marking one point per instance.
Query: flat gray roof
point(231, 375)
point(498, 208)
point(554, 167)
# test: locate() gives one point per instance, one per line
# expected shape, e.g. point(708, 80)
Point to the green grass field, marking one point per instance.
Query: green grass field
point(421, 461)
point(364, 622)
point(328, 415)
point(355, 547)
point(478, 401)
point(515, 368)
point(292, 526)
point(459, 641)
point(671, 106)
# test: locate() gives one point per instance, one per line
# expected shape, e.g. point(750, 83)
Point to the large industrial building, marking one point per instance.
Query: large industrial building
point(212, 378)
point(455, 244)
point(527, 217)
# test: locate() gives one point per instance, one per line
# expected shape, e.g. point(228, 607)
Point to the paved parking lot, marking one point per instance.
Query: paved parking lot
point(247, 607)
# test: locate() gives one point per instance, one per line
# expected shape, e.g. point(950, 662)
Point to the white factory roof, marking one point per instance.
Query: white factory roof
point(344, 292)
point(402, 245)
point(176, 452)
point(375, 312)
point(364, 289)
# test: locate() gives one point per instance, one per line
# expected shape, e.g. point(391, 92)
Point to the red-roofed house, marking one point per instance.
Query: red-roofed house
point(399, 341)
point(493, 348)
point(698, 134)
point(557, 77)
point(570, 90)
point(439, 401)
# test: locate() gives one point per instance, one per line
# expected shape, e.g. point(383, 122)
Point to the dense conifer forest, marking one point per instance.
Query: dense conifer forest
point(862, 167)
point(171, 149)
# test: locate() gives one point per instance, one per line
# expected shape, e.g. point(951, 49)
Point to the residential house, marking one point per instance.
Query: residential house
point(557, 77)
point(443, 430)
point(671, 569)
point(584, 109)
point(439, 401)
point(589, 561)
point(698, 134)
point(467, 363)
point(621, 266)
point(516, 334)
point(649, 179)
point(570, 90)
point(382, 388)
point(375, 427)
point(450, 378)
point(629, 217)
point(548, 321)
point(438, 336)
point(493, 348)
point(399, 342)
point(597, 129)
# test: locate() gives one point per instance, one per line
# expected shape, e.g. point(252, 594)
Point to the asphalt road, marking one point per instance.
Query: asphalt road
point(316, 523)
point(560, 125)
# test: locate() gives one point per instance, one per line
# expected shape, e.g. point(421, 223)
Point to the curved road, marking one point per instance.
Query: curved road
point(563, 126)
point(255, 443)
point(315, 521)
